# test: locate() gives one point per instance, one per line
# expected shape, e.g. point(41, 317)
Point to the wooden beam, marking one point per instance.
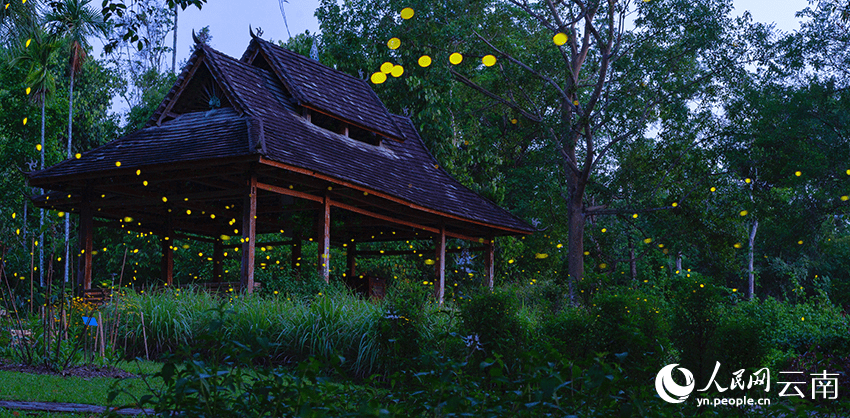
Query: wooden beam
point(289, 192)
point(440, 283)
point(489, 263)
point(324, 239)
point(249, 226)
point(411, 205)
point(86, 237)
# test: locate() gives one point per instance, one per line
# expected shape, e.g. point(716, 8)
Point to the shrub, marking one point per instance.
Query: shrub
point(490, 318)
point(571, 334)
point(402, 328)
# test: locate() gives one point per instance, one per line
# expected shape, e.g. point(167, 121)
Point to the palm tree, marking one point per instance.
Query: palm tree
point(36, 50)
point(76, 21)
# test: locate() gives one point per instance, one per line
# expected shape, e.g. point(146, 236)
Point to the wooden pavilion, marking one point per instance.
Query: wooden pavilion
point(240, 147)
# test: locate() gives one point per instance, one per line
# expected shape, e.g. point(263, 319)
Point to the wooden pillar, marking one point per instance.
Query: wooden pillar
point(351, 260)
point(324, 238)
point(167, 263)
point(296, 253)
point(249, 234)
point(86, 243)
point(490, 262)
point(218, 259)
point(440, 282)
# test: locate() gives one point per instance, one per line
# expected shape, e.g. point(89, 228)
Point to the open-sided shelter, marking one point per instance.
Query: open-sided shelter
point(239, 147)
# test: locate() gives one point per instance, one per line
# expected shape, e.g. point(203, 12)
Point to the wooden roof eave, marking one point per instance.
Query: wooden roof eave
point(411, 205)
point(46, 182)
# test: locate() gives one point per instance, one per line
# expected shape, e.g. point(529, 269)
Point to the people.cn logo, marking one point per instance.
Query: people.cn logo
point(671, 391)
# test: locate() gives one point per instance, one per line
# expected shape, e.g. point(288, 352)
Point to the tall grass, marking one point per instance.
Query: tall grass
point(334, 324)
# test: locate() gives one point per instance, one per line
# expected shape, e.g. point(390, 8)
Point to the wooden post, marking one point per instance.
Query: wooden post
point(490, 262)
point(296, 253)
point(440, 283)
point(86, 244)
point(218, 258)
point(167, 262)
point(249, 234)
point(351, 260)
point(324, 239)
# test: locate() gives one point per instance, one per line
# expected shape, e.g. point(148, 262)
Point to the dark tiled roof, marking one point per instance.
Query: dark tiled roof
point(192, 136)
point(272, 127)
point(330, 91)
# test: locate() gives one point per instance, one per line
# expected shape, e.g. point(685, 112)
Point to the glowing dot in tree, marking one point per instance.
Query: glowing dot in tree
point(675, 204)
point(603, 266)
point(713, 189)
point(394, 43)
point(488, 60)
point(25, 121)
point(164, 199)
point(28, 43)
point(386, 67)
point(424, 61)
point(635, 216)
point(78, 155)
point(430, 262)
point(560, 38)
point(648, 240)
point(798, 173)
point(747, 180)
point(587, 253)
point(38, 147)
point(397, 71)
point(455, 58)
point(845, 198)
point(540, 256)
point(800, 242)
point(407, 13)
point(514, 121)
point(743, 213)
point(604, 230)
point(378, 78)
point(28, 91)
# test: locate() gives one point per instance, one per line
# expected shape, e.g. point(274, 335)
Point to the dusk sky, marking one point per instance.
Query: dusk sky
point(228, 20)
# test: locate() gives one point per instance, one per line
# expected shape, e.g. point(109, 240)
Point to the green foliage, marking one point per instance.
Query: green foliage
point(490, 318)
point(402, 330)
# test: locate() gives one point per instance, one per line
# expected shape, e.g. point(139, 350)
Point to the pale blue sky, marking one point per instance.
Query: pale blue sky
point(229, 19)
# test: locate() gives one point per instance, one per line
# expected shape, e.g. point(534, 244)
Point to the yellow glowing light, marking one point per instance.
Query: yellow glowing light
point(713, 189)
point(78, 155)
point(378, 78)
point(424, 61)
point(604, 230)
point(164, 199)
point(397, 71)
point(675, 204)
point(185, 246)
point(743, 213)
point(28, 91)
point(28, 43)
point(798, 173)
point(559, 246)
point(128, 219)
point(488, 60)
point(38, 147)
point(845, 198)
point(647, 241)
point(603, 266)
point(406, 13)
point(540, 256)
point(587, 253)
point(386, 67)
point(514, 121)
point(145, 183)
point(560, 38)
point(25, 121)
point(800, 242)
point(511, 261)
point(118, 163)
point(188, 211)
point(635, 216)
point(737, 245)
point(61, 214)
point(747, 180)
point(394, 43)
point(430, 262)
point(455, 58)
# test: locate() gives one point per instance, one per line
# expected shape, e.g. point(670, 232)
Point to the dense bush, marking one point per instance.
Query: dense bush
point(490, 322)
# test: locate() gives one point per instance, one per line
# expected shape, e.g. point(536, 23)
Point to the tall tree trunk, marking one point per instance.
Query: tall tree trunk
point(41, 211)
point(750, 271)
point(70, 155)
point(174, 43)
point(575, 253)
